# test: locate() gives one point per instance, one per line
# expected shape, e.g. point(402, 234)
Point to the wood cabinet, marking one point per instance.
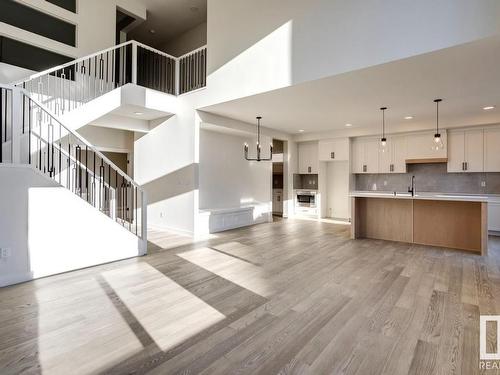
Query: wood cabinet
point(466, 151)
point(334, 149)
point(365, 155)
point(308, 157)
point(492, 149)
point(392, 158)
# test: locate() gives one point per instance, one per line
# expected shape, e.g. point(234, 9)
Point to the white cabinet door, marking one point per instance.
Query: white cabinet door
point(371, 155)
point(385, 157)
point(334, 149)
point(358, 152)
point(492, 150)
point(308, 158)
point(420, 146)
point(456, 151)
point(494, 216)
point(474, 150)
point(399, 154)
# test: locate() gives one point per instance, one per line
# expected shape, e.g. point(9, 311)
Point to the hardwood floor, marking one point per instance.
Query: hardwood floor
point(291, 297)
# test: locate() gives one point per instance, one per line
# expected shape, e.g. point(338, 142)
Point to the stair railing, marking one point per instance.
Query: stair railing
point(66, 87)
point(38, 138)
point(193, 70)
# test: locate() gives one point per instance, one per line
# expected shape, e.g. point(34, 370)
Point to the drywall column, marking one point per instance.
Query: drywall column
point(166, 166)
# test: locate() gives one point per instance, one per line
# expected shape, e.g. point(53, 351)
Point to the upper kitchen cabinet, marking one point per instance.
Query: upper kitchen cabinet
point(365, 155)
point(466, 151)
point(492, 149)
point(392, 158)
point(308, 157)
point(334, 149)
point(420, 146)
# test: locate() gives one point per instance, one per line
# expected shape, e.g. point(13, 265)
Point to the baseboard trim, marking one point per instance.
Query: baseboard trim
point(15, 279)
point(181, 232)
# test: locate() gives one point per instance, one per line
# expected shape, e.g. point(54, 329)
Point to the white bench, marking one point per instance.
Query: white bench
point(220, 219)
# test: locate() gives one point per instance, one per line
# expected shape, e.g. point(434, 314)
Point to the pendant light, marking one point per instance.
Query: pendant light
point(258, 158)
point(438, 142)
point(383, 140)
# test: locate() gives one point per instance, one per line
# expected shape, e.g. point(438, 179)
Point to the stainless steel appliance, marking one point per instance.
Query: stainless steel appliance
point(306, 202)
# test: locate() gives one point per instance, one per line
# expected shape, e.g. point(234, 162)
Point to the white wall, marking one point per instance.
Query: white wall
point(10, 73)
point(108, 139)
point(165, 164)
point(38, 224)
point(260, 45)
point(95, 21)
point(187, 42)
point(227, 180)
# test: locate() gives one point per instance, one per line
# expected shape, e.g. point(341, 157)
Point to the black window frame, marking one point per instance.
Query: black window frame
point(35, 21)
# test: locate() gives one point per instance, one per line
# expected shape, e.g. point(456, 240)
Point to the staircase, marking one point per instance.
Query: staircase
point(34, 132)
point(32, 135)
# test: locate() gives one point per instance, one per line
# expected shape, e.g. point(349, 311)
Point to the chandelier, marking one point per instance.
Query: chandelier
point(258, 158)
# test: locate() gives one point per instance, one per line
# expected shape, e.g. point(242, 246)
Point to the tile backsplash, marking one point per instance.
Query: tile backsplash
point(431, 178)
point(305, 181)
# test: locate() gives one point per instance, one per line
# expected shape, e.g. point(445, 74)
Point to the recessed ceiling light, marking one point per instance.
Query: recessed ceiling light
point(152, 31)
point(301, 130)
point(138, 113)
point(348, 125)
point(408, 117)
point(487, 108)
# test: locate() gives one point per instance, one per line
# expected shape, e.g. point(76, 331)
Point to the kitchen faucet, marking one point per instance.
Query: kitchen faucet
point(411, 189)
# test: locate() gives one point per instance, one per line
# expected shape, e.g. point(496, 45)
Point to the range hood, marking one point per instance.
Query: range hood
point(427, 161)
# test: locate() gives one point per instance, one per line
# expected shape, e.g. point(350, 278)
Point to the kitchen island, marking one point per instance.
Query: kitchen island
point(446, 220)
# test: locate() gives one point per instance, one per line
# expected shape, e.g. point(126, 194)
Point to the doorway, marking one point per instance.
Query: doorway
point(277, 178)
point(123, 21)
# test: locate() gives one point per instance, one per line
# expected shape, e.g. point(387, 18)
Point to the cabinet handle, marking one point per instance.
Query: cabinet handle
point(332, 155)
point(463, 166)
point(466, 166)
point(309, 169)
point(364, 168)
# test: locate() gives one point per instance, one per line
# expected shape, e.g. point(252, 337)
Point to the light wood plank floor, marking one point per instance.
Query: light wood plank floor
point(294, 297)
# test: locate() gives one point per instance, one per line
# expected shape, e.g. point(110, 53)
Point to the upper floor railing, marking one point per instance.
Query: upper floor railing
point(69, 86)
point(32, 135)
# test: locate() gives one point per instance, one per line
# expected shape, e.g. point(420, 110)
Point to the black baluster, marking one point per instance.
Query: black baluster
point(78, 154)
point(1, 125)
point(87, 172)
point(29, 130)
point(134, 210)
point(101, 184)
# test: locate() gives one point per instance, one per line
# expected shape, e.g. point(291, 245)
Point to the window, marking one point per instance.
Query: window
point(32, 20)
point(29, 57)
point(66, 4)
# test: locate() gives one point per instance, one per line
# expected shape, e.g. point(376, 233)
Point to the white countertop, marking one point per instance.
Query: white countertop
point(490, 198)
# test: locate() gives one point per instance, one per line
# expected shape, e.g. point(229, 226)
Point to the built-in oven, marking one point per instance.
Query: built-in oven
point(306, 199)
point(305, 203)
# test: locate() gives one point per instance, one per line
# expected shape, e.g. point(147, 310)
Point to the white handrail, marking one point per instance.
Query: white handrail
point(193, 51)
point(139, 44)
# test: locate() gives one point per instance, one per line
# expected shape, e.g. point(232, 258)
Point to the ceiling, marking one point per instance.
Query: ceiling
point(467, 77)
point(168, 19)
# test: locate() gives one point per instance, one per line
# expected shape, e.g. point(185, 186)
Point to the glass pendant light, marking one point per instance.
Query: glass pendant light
point(258, 158)
point(438, 142)
point(383, 140)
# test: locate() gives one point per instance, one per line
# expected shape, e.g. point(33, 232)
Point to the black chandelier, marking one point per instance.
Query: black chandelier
point(258, 158)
